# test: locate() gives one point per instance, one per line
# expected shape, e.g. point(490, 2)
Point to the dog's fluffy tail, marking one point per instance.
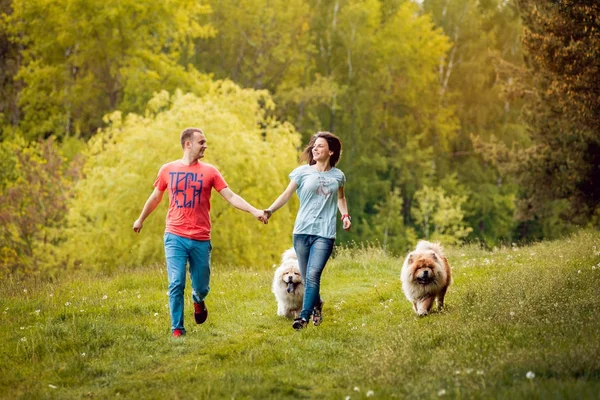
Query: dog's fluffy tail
point(424, 245)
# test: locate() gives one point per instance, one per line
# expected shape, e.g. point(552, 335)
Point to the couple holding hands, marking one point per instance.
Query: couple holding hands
point(320, 188)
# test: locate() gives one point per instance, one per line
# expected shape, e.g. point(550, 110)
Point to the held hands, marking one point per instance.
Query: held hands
point(261, 216)
point(264, 216)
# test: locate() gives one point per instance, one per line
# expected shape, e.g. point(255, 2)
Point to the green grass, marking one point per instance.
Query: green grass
point(509, 312)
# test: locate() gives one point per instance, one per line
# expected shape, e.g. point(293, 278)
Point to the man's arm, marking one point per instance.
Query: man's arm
point(151, 204)
point(238, 202)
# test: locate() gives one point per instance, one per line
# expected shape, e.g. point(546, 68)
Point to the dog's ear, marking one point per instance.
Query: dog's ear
point(410, 258)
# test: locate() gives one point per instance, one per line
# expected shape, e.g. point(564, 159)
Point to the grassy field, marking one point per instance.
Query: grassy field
point(520, 323)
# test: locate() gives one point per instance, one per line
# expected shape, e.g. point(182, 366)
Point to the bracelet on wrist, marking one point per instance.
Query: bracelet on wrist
point(346, 216)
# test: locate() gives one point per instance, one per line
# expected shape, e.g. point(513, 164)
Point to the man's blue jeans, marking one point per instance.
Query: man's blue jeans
point(313, 252)
point(178, 252)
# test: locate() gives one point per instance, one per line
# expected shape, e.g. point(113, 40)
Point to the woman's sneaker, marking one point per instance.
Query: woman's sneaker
point(317, 316)
point(299, 323)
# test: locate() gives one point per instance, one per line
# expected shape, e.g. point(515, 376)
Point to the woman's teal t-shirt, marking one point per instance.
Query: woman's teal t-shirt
point(317, 192)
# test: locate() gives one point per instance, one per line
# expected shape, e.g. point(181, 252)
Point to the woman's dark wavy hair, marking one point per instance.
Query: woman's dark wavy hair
point(334, 143)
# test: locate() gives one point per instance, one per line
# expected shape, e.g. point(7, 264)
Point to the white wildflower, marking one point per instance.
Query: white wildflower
point(67, 304)
point(139, 296)
point(356, 389)
point(104, 297)
point(579, 271)
point(156, 314)
point(442, 392)
point(22, 328)
point(25, 290)
point(512, 313)
point(37, 311)
point(347, 398)
point(529, 375)
point(23, 339)
point(82, 354)
point(479, 372)
point(52, 386)
point(370, 393)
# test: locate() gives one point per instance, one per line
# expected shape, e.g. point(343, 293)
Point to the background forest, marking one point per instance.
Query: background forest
point(462, 120)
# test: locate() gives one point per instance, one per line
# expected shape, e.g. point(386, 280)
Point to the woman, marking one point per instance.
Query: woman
point(314, 231)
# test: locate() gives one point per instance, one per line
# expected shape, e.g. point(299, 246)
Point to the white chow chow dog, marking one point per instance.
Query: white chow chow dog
point(425, 277)
point(287, 286)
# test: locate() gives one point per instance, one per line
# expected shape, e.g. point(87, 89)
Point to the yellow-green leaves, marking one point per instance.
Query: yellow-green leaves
point(82, 59)
point(253, 152)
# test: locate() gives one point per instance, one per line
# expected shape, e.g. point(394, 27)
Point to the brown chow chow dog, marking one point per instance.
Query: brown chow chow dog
point(426, 276)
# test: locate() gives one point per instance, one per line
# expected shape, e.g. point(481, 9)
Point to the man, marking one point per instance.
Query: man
point(187, 232)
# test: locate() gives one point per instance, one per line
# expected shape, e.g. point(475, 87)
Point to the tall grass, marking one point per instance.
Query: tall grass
point(519, 323)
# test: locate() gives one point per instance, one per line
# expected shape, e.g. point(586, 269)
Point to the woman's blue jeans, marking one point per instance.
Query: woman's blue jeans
point(313, 252)
point(178, 252)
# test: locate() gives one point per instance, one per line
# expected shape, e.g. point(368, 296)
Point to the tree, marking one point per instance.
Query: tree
point(475, 81)
point(34, 185)
point(253, 151)
point(440, 217)
point(82, 59)
point(10, 60)
point(558, 168)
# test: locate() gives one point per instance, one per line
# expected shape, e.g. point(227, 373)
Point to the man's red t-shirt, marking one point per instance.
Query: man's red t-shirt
point(189, 197)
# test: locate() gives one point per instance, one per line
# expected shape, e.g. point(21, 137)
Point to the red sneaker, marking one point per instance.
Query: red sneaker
point(200, 312)
point(178, 333)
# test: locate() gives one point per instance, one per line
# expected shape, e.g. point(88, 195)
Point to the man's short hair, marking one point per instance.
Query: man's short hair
point(187, 134)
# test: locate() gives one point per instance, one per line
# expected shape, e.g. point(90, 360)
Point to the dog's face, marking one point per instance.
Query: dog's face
point(292, 279)
point(288, 275)
point(423, 267)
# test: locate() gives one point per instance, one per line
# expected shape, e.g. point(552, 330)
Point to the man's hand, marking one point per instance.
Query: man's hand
point(137, 226)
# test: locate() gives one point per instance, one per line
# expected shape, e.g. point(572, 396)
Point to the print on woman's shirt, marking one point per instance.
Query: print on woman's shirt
point(323, 190)
point(186, 189)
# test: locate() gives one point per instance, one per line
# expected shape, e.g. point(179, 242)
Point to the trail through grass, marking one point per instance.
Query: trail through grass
point(519, 323)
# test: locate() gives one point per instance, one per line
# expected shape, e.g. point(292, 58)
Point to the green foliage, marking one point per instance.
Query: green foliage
point(82, 59)
point(439, 217)
point(253, 152)
point(562, 42)
point(9, 63)
point(34, 183)
point(260, 43)
point(478, 79)
point(557, 167)
point(388, 228)
point(509, 312)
